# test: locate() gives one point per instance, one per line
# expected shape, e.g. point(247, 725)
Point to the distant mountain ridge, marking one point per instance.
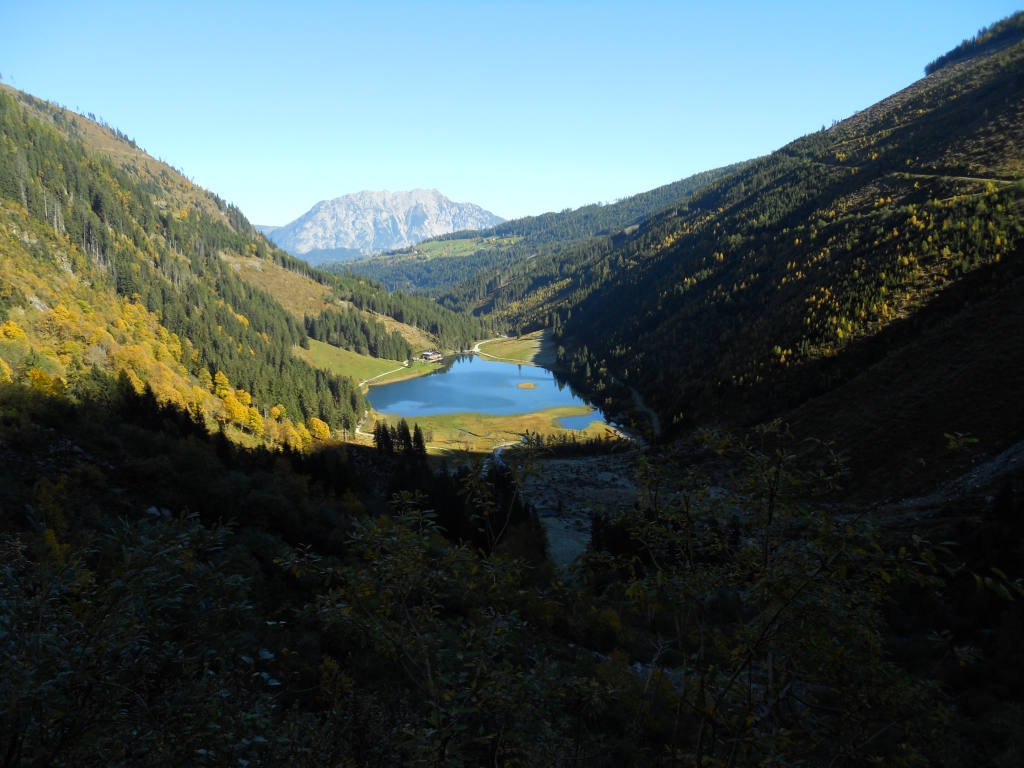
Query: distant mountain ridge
point(369, 222)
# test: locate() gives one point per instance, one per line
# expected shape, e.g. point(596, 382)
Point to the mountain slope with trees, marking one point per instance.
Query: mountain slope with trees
point(100, 269)
point(776, 283)
point(490, 259)
point(99, 238)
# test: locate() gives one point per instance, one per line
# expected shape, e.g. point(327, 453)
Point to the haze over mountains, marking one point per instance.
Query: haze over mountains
point(368, 222)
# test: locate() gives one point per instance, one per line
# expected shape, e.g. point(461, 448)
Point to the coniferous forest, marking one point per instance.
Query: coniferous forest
point(818, 353)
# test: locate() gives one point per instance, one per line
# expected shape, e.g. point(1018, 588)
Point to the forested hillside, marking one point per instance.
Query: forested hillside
point(116, 260)
point(98, 269)
point(349, 330)
point(451, 329)
point(778, 282)
point(494, 258)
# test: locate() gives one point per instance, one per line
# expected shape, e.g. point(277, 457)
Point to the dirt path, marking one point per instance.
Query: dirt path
point(477, 350)
point(640, 405)
point(954, 178)
point(364, 383)
point(907, 174)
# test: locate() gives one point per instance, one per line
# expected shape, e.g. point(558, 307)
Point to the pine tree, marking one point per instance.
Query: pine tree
point(382, 439)
point(404, 438)
point(419, 446)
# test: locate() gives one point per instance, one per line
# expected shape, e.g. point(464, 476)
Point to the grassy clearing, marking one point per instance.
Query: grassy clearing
point(464, 247)
point(482, 432)
point(535, 348)
point(418, 369)
point(359, 367)
point(302, 296)
point(418, 339)
point(343, 362)
point(297, 294)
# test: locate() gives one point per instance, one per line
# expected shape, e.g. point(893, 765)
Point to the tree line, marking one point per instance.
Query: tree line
point(354, 332)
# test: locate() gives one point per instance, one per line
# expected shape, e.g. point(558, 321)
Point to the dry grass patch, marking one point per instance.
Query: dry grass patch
point(302, 296)
point(476, 433)
point(535, 348)
point(360, 367)
point(297, 294)
point(418, 339)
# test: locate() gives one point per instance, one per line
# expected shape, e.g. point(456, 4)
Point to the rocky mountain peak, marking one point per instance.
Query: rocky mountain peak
point(372, 221)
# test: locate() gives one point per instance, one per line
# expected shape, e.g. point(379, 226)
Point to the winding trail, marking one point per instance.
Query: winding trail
point(477, 350)
point(638, 401)
point(364, 383)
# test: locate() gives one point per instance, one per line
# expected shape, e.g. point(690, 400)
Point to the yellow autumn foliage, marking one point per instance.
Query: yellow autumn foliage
point(304, 435)
point(254, 422)
point(319, 429)
point(221, 385)
point(236, 412)
point(11, 331)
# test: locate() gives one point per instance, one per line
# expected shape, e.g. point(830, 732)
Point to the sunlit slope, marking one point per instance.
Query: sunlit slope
point(171, 188)
point(59, 318)
point(171, 193)
point(305, 297)
point(748, 299)
point(102, 270)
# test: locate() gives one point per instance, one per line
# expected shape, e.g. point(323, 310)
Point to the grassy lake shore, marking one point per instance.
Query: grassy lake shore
point(535, 348)
point(360, 367)
point(483, 432)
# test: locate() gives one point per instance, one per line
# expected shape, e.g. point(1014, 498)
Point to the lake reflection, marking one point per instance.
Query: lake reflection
point(476, 385)
point(579, 422)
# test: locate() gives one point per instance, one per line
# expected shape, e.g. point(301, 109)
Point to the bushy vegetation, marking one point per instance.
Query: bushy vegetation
point(170, 596)
point(569, 444)
point(286, 619)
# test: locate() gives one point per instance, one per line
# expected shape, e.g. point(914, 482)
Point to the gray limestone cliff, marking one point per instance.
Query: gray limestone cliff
point(370, 222)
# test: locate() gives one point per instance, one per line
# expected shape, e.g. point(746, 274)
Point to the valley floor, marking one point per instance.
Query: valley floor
point(469, 434)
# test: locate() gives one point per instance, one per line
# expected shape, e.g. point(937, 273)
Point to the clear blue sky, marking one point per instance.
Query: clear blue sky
point(521, 107)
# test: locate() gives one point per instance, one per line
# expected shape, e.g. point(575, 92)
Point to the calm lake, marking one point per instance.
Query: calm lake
point(473, 384)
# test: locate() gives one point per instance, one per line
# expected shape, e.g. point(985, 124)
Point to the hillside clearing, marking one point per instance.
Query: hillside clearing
point(297, 294)
point(462, 247)
point(535, 348)
point(360, 367)
point(302, 296)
